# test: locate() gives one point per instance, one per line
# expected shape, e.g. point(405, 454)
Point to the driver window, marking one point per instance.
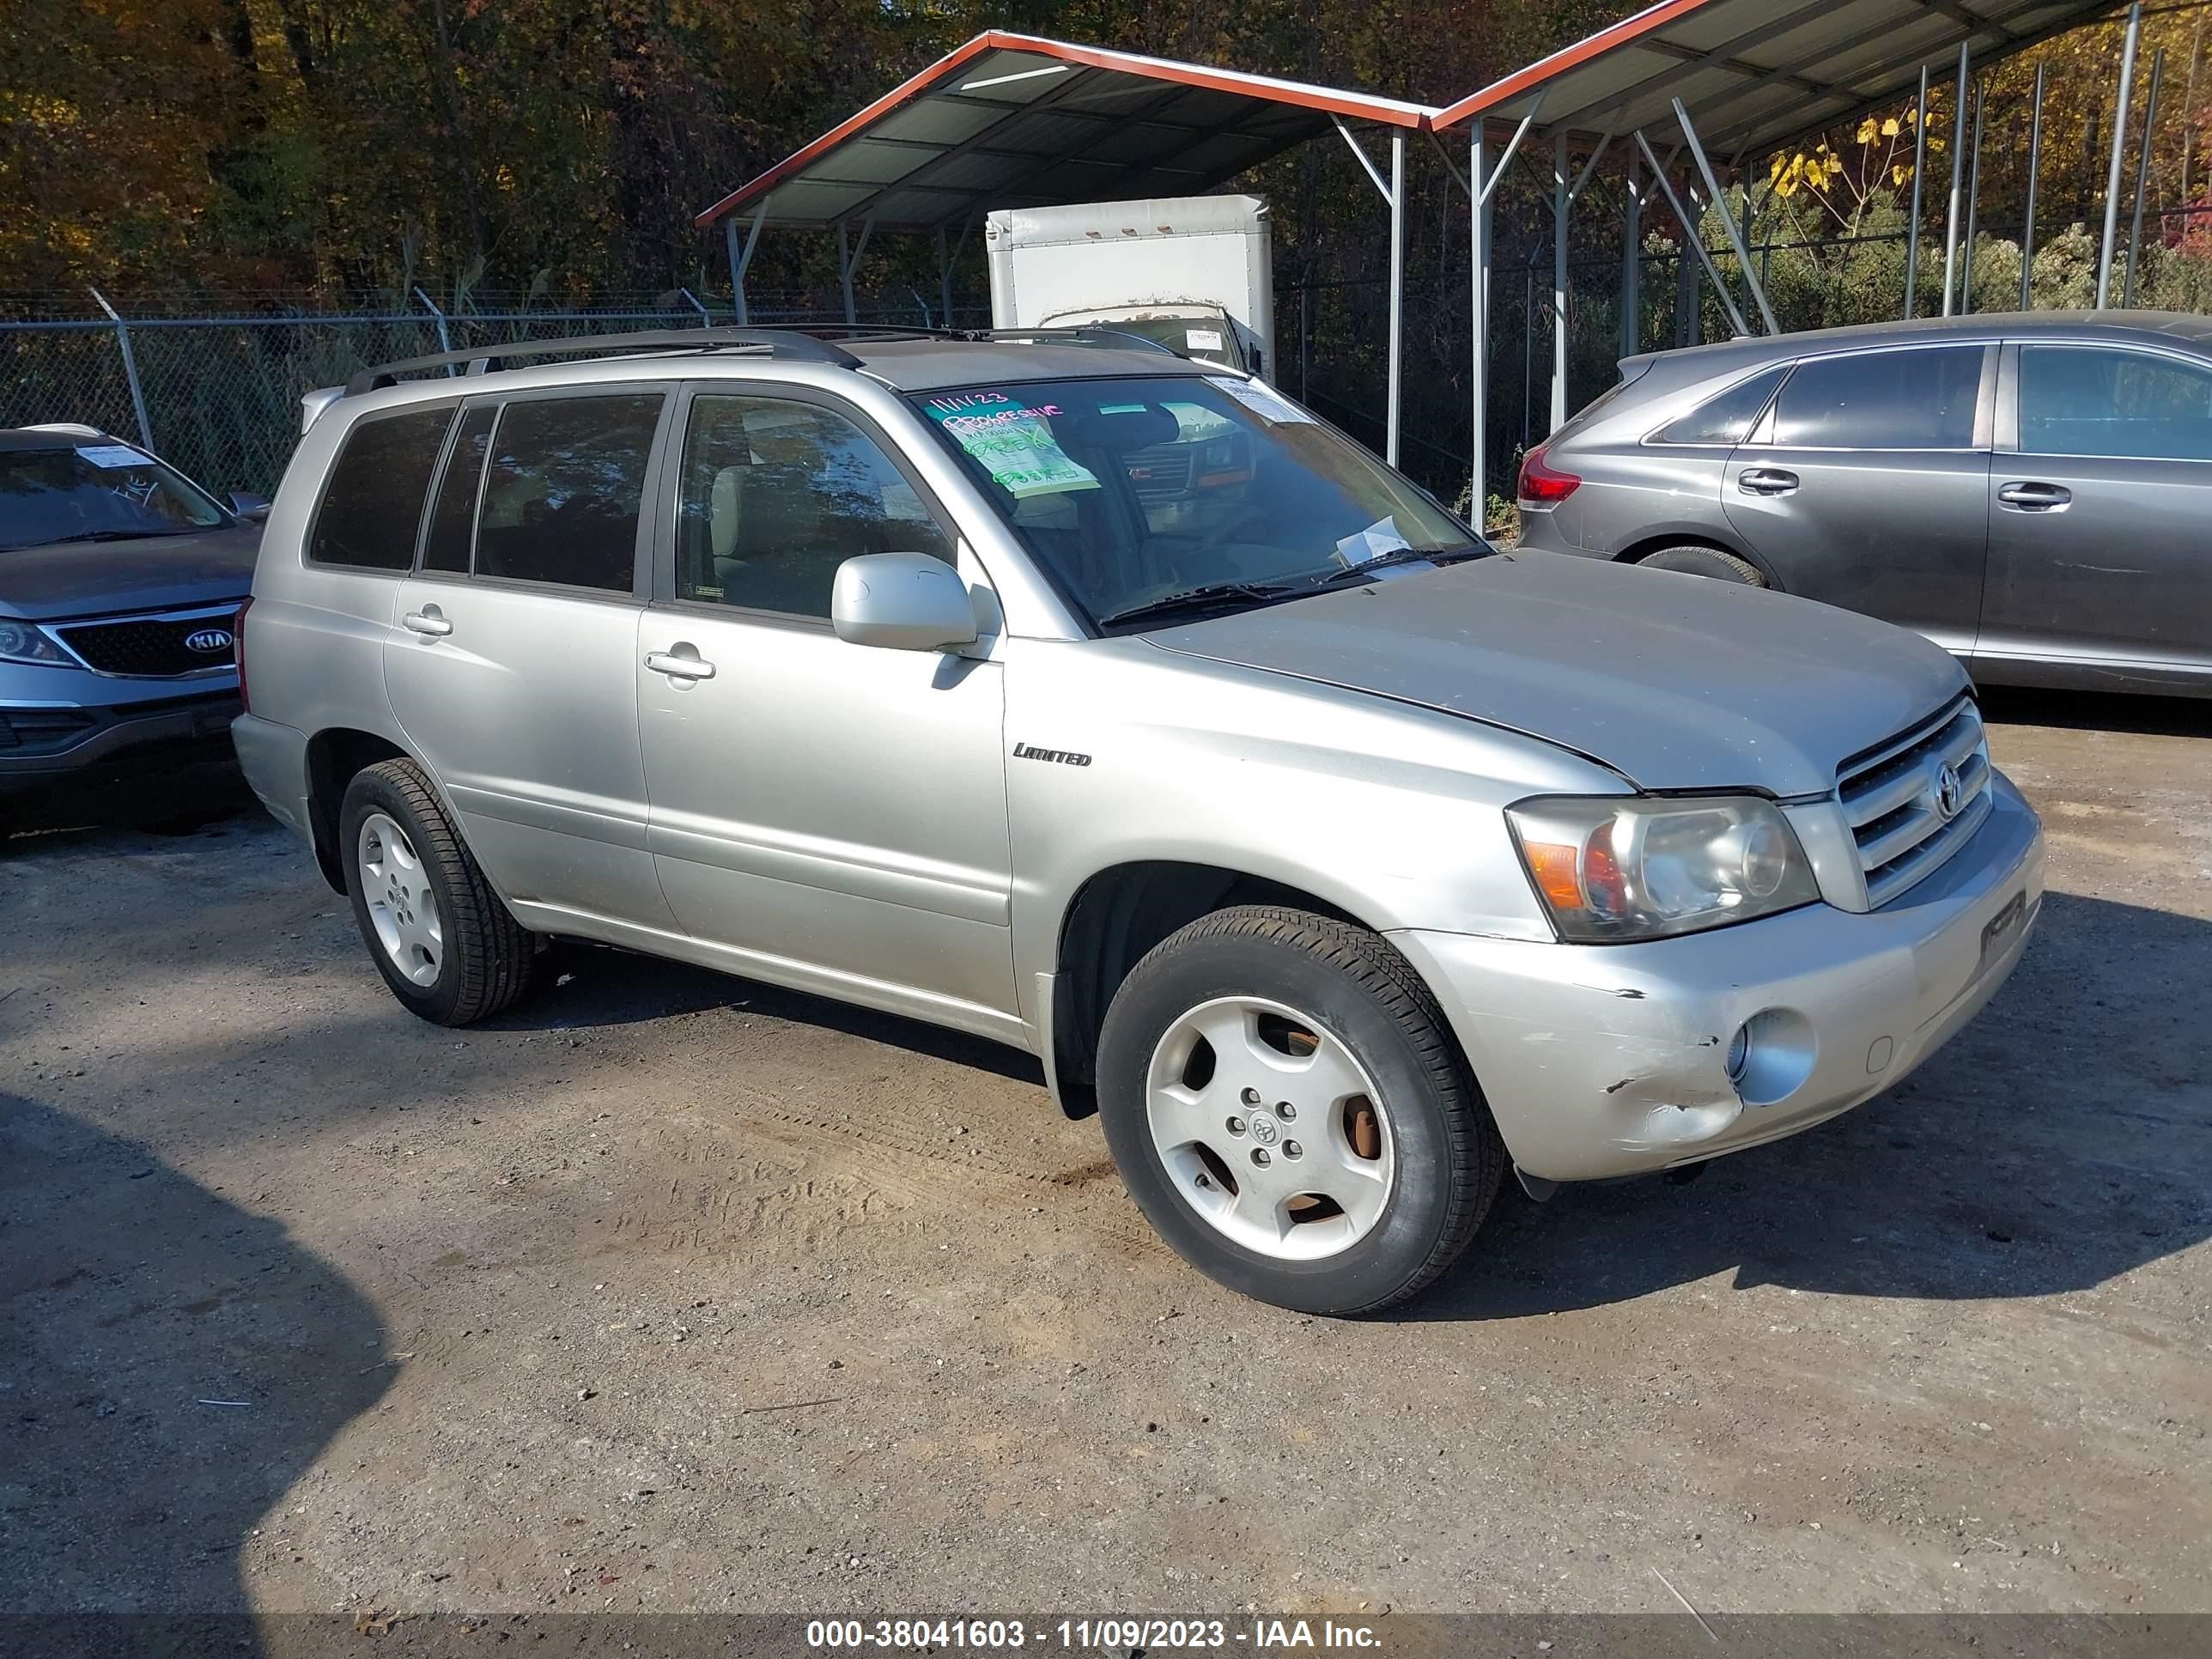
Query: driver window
point(776, 494)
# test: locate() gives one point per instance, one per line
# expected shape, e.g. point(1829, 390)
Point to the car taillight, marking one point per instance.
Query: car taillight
point(237, 647)
point(1541, 485)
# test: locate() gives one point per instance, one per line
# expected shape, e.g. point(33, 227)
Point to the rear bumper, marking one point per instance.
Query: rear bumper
point(1609, 1061)
point(274, 757)
point(46, 743)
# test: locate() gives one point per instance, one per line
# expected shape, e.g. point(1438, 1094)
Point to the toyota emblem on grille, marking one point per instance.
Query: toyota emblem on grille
point(1950, 792)
point(209, 641)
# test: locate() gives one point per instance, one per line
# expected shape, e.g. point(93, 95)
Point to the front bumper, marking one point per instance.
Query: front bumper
point(1604, 1060)
point(45, 743)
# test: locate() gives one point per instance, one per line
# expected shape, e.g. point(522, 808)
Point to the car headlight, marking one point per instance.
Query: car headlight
point(22, 641)
point(1628, 867)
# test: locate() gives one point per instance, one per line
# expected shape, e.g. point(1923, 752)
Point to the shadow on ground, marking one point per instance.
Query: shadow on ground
point(2097, 711)
point(131, 1297)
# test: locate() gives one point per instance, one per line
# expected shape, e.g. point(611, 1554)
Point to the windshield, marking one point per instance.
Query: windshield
point(1131, 492)
point(96, 491)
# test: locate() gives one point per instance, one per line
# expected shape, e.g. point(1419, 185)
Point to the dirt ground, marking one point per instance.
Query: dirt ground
point(674, 1291)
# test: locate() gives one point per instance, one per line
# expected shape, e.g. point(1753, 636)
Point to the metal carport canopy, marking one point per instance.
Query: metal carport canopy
point(1754, 74)
point(1730, 79)
point(1013, 120)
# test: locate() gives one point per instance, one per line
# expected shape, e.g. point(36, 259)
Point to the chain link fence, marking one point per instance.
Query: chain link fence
point(217, 394)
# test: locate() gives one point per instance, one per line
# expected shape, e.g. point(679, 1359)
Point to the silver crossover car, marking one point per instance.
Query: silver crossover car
point(1062, 690)
point(2030, 491)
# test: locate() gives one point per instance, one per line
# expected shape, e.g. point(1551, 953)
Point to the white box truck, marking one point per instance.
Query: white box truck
point(1194, 273)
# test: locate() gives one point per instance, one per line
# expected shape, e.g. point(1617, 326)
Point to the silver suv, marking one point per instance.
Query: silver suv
point(1333, 858)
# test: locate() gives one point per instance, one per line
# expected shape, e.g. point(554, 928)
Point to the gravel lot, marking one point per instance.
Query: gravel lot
point(674, 1291)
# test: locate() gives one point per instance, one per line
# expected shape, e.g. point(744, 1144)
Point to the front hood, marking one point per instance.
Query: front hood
point(1676, 681)
point(153, 572)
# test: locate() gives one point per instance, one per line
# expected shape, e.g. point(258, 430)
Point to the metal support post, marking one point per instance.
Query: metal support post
point(740, 260)
point(1397, 292)
point(1696, 241)
point(2035, 169)
point(1912, 228)
point(1631, 266)
point(1727, 223)
point(130, 368)
point(1958, 170)
point(1562, 206)
point(2143, 176)
point(1973, 203)
point(1479, 317)
point(2119, 146)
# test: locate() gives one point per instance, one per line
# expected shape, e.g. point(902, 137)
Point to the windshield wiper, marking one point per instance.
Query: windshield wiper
point(108, 535)
point(1405, 556)
point(1207, 597)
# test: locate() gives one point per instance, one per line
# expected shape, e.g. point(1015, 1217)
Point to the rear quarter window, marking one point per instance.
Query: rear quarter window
point(371, 504)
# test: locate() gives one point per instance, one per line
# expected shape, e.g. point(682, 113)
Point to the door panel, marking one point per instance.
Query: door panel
point(830, 805)
point(526, 712)
point(2104, 556)
point(521, 694)
point(835, 813)
point(1870, 488)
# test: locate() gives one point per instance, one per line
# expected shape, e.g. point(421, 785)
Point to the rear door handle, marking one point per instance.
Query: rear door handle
point(1765, 481)
point(2036, 497)
point(427, 621)
point(683, 662)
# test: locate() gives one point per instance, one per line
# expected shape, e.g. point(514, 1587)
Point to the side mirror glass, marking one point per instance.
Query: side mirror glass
point(901, 602)
point(252, 508)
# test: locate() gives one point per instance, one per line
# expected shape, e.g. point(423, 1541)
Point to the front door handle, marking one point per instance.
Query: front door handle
point(683, 662)
point(1765, 481)
point(2036, 497)
point(429, 621)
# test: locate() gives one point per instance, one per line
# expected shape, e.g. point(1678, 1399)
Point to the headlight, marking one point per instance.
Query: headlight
point(1627, 867)
point(21, 641)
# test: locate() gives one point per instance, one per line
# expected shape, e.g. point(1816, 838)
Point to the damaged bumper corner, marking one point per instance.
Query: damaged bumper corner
point(1605, 1061)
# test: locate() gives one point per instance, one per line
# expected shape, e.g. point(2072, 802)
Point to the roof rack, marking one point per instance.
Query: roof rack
point(773, 341)
point(803, 342)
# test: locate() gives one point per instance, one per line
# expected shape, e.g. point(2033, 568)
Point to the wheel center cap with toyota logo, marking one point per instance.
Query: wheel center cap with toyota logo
point(1265, 1129)
point(1947, 790)
point(209, 641)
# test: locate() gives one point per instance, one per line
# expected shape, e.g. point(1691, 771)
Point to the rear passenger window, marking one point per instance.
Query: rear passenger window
point(1728, 418)
point(453, 515)
point(562, 494)
point(372, 503)
point(1922, 399)
point(776, 496)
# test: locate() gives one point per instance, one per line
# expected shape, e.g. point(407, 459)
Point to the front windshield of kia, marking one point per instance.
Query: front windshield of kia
point(1152, 499)
point(96, 491)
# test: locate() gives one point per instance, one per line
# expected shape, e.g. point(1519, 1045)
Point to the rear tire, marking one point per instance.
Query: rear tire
point(1286, 1104)
point(446, 946)
point(1694, 560)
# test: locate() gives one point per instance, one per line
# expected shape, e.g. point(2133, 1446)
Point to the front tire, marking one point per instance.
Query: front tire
point(446, 946)
point(1285, 1105)
point(1693, 560)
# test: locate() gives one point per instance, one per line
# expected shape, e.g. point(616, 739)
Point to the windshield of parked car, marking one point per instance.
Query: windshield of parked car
point(1136, 493)
point(94, 491)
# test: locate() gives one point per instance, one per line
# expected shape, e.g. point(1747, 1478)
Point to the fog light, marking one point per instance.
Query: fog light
point(1739, 1053)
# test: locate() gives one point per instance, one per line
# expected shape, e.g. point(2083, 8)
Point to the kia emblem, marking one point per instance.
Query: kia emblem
point(209, 641)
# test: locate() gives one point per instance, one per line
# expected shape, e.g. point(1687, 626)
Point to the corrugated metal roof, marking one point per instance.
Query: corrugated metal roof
point(1755, 74)
point(1011, 120)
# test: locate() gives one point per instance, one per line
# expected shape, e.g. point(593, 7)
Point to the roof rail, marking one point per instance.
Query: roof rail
point(485, 359)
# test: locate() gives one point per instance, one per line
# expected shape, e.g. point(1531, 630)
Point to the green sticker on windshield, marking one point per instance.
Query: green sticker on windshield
point(1012, 441)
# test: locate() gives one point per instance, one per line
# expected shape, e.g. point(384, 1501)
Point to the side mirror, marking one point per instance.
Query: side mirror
point(901, 602)
point(252, 508)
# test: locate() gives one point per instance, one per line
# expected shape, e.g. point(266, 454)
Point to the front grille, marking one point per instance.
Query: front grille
point(25, 732)
point(153, 648)
point(1891, 798)
point(1162, 473)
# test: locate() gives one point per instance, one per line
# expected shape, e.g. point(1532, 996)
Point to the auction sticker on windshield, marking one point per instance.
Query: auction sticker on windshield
point(1263, 400)
point(106, 456)
point(1013, 442)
